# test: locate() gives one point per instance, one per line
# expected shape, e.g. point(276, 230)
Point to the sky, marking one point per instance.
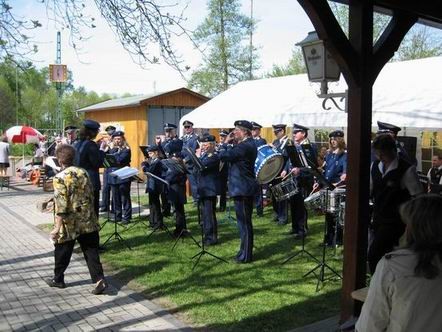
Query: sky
point(104, 66)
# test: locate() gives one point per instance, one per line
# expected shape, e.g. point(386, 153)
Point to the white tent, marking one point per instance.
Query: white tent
point(408, 94)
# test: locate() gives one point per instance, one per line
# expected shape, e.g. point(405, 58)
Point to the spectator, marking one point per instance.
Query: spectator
point(4, 155)
point(405, 292)
point(75, 220)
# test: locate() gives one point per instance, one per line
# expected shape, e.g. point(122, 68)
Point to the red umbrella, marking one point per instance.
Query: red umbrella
point(23, 134)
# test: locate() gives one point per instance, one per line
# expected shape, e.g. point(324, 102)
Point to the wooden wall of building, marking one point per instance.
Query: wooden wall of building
point(133, 120)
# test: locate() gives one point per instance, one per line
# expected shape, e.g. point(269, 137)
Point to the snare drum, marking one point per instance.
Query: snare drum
point(268, 164)
point(332, 199)
point(285, 189)
point(314, 201)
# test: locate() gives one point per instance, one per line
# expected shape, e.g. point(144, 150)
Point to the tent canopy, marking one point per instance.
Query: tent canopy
point(406, 93)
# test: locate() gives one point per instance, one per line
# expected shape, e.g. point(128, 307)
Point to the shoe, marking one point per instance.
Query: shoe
point(300, 235)
point(103, 209)
point(100, 287)
point(282, 222)
point(291, 232)
point(53, 283)
point(210, 242)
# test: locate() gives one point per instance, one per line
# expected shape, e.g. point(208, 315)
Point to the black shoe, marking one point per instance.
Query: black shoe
point(282, 222)
point(53, 283)
point(100, 287)
point(103, 210)
point(300, 235)
point(210, 242)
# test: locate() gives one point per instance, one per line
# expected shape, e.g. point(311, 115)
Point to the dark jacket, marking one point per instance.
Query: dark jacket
point(122, 158)
point(157, 168)
point(176, 177)
point(335, 166)
point(259, 142)
point(242, 180)
point(89, 157)
point(209, 178)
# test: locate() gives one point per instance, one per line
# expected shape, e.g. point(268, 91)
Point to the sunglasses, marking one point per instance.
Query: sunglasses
point(187, 127)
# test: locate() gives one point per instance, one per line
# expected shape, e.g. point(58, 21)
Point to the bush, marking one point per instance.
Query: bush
point(17, 149)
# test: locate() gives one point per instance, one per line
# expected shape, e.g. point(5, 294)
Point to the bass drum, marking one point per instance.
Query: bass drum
point(268, 164)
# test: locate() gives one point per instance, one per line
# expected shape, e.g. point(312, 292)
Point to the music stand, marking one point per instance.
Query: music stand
point(115, 235)
point(203, 250)
point(137, 179)
point(297, 161)
point(163, 226)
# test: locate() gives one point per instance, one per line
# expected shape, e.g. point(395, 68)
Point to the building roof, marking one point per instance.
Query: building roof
point(405, 93)
point(133, 100)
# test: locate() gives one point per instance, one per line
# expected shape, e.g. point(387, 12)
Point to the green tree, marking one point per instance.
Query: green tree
point(296, 65)
point(223, 36)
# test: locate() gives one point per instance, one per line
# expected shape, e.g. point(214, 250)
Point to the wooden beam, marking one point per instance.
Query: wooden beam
point(359, 148)
point(390, 40)
point(335, 40)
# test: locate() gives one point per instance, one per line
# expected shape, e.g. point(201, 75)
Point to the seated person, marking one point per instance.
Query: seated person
point(405, 292)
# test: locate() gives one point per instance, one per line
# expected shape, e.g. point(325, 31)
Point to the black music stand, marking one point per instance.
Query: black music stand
point(115, 235)
point(322, 264)
point(203, 250)
point(140, 221)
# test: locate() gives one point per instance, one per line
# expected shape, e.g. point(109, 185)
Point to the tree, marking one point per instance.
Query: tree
point(296, 65)
point(224, 34)
point(138, 24)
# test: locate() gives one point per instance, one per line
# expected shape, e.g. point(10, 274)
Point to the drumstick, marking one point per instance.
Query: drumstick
point(285, 177)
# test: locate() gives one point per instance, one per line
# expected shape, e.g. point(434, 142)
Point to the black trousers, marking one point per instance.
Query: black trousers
point(385, 238)
point(96, 202)
point(122, 201)
point(244, 209)
point(89, 244)
point(166, 206)
point(223, 195)
point(333, 227)
point(210, 224)
point(156, 216)
point(180, 217)
point(298, 213)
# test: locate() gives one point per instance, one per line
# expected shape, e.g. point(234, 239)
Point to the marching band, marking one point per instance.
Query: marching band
point(243, 166)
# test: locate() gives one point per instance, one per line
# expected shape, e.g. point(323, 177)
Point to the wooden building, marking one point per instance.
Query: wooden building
point(142, 117)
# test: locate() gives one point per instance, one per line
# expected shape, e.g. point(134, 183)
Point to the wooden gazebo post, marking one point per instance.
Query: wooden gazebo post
point(360, 64)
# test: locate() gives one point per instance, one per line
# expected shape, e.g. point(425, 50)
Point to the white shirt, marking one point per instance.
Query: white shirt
point(429, 175)
point(399, 301)
point(4, 152)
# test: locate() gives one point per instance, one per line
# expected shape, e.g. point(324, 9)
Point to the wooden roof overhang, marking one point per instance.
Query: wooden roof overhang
point(360, 62)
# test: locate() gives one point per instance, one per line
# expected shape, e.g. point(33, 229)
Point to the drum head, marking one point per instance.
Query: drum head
point(270, 169)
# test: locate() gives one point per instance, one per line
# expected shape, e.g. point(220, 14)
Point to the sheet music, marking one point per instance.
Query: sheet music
point(125, 172)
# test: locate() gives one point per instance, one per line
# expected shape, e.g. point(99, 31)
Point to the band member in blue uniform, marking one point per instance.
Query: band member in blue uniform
point(190, 140)
point(242, 183)
point(304, 180)
point(120, 188)
point(208, 188)
point(224, 173)
point(336, 173)
point(393, 182)
point(105, 191)
point(89, 156)
point(388, 128)
point(154, 187)
point(259, 141)
point(281, 141)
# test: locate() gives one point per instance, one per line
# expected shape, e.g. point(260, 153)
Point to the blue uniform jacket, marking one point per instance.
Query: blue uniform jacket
point(242, 180)
point(259, 142)
point(209, 177)
point(191, 142)
point(335, 166)
point(176, 177)
point(171, 147)
point(122, 157)
point(157, 168)
point(89, 157)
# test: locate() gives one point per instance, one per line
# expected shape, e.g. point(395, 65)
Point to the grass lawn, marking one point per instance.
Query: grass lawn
point(262, 296)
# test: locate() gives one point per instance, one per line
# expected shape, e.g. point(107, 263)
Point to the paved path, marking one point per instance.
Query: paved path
point(26, 260)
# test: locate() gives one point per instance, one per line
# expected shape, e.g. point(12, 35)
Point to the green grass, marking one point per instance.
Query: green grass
point(262, 296)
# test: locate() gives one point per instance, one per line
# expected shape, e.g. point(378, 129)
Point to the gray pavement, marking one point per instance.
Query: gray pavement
point(26, 260)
